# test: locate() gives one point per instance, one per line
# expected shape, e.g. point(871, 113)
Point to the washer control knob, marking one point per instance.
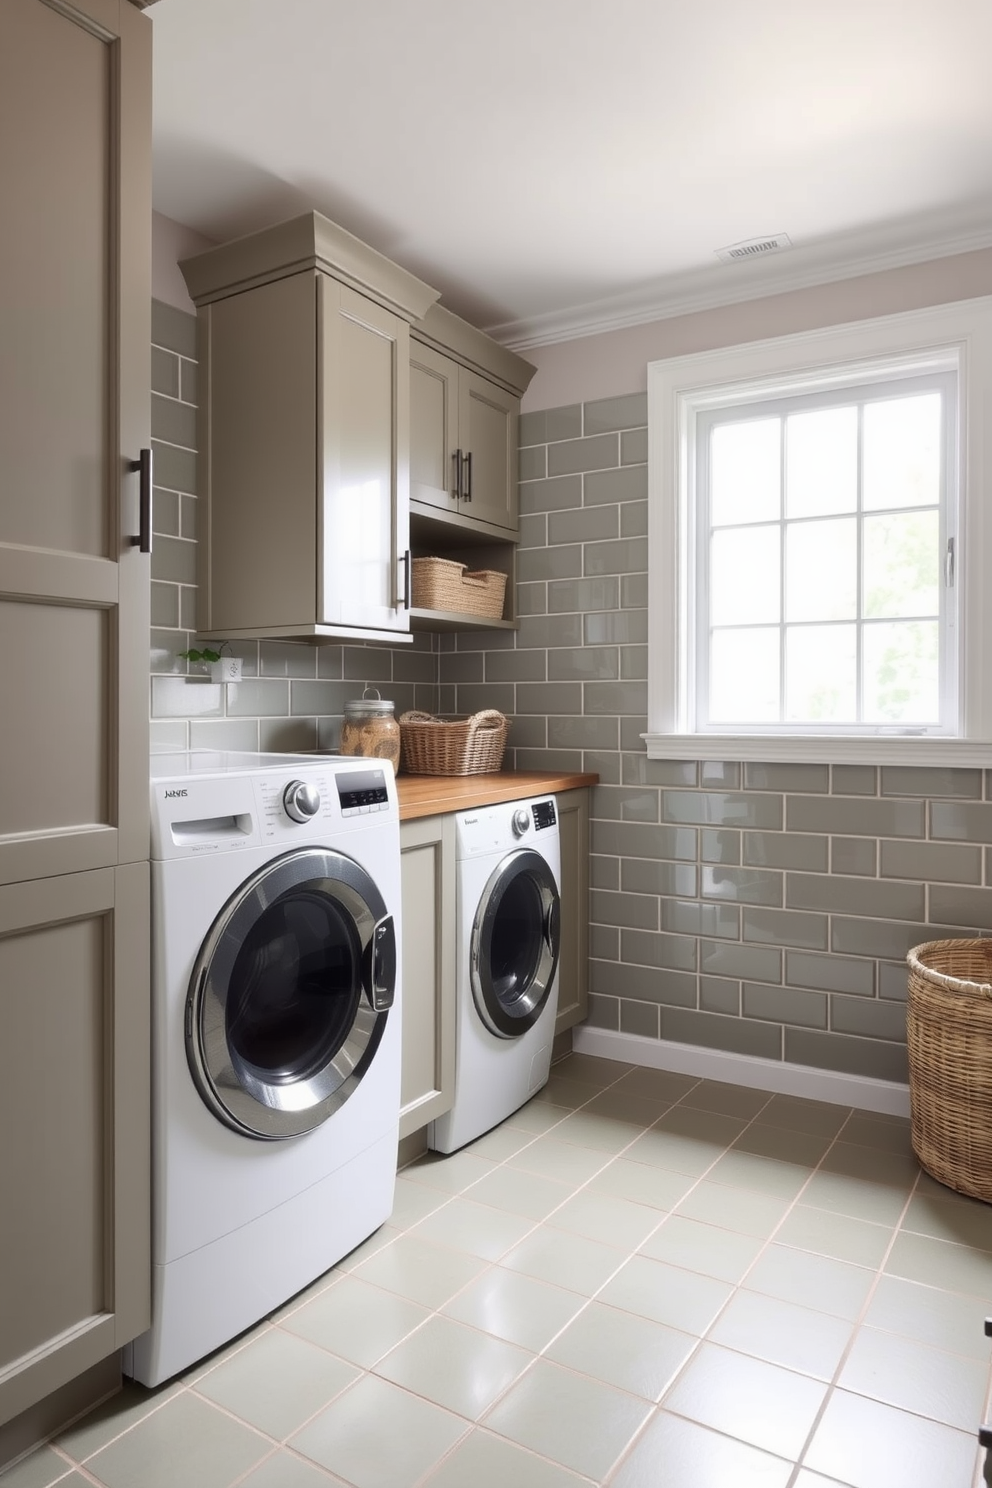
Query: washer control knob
point(521, 822)
point(301, 800)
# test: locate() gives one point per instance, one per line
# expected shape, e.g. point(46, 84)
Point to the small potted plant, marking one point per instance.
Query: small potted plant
point(222, 668)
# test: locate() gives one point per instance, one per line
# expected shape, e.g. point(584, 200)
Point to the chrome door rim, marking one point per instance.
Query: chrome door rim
point(244, 1101)
point(531, 1003)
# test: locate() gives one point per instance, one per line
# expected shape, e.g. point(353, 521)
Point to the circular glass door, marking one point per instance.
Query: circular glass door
point(516, 938)
point(289, 994)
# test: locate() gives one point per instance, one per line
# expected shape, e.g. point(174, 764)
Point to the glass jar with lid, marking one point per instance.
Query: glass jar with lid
point(370, 728)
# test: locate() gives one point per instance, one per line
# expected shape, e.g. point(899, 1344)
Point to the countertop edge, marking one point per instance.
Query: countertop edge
point(436, 795)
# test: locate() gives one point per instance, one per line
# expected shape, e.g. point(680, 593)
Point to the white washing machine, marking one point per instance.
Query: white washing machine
point(508, 881)
point(276, 1035)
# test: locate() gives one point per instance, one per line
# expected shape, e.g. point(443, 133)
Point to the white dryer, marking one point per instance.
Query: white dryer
point(508, 881)
point(276, 1037)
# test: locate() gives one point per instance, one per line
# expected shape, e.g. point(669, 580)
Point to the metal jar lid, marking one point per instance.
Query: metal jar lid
point(364, 706)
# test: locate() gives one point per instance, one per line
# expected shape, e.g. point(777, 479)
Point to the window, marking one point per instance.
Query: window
point(818, 545)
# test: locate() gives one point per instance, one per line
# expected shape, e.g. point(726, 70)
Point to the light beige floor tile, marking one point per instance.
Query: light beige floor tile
point(886, 1133)
point(203, 1366)
point(537, 1116)
point(676, 1151)
point(727, 1100)
point(868, 1445)
point(565, 1260)
point(413, 1202)
point(755, 1402)
point(807, 1479)
point(590, 1069)
point(642, 1183)
point(942, 1319)
point(703, 1247)
point(656, 1084)
point(455, 1366)
point(679, 1299)
point(557, 1157)
point(674, 1453)
point(958, 1219)
point(384, 1236)
point(378, 1436)
point(783, 1333)
point(42, 1468)
point(630, 1352)
point(500, 1143)
point(277, 1382)
point(515, 1307)
point(835, 1287)
point(112, 1418)
point(486, 1461)
point(600, 1134)
point(714, 1127)
point(837, 1235)
point(451, 1174)
point(570, 1094)
point(917, 1378)
point(187, 1441)
point(284, 1469)
point(747, 1213)
point(639, 1111)
point(357, 1321)
point(955, 1268)
point(476, 1228)
point(804, 1148)
point(759, 1174)
point(859, 1197)
point(579, 1422)
point(855, 1161)
point(424, 1273)
point(612, 1221)
point(796, 1114)
point(530, 1195)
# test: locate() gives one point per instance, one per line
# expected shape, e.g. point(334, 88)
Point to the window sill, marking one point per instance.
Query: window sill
point(823, 749)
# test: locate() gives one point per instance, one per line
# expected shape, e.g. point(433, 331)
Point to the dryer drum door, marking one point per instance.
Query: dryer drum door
point(516, 936)
point(290, 993)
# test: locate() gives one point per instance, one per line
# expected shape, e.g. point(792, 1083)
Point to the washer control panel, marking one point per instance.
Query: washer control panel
point(544, 814)
point(362, 792)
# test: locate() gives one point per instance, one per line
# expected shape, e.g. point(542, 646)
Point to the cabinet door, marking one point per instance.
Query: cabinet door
point(427, 1087)
point(75, 126)
point(488, 432)
point(433, 428)
point(573, 967)
point(363, 461)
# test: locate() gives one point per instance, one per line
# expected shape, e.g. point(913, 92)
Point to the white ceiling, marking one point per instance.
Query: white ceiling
point(555, 166)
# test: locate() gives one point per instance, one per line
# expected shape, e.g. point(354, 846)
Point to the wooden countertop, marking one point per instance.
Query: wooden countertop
point(432, 795)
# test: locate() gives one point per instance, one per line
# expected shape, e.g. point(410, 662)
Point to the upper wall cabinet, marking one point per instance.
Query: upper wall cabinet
point(464, 407)
point(304, 348)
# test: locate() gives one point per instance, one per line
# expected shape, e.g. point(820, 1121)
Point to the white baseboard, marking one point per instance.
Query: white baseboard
point(743, 1069)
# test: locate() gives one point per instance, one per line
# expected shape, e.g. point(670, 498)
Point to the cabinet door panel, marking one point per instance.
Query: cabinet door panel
point(433, 428)
point(428, 890)
point(489, 420)
point(573, 967)
point(363, 462)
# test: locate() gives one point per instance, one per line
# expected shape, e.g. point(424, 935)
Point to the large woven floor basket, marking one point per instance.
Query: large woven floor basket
point(464, 746)
point(949, 1032)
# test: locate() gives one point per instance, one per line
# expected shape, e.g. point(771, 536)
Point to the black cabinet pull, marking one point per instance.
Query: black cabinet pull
point(143, 464)
point(457, 461)
point(467, 487)
point(407, 563)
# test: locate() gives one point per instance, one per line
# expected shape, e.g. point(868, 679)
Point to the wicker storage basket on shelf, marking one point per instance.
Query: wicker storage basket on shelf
point(465, 746)
point(949, 1032)
point(441, 584)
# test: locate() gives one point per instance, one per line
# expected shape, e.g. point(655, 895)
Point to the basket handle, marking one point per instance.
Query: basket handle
point(416, 716)
point(474, 580)
point(489, 718)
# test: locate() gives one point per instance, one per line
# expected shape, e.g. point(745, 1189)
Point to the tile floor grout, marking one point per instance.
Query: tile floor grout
point(654, 1406)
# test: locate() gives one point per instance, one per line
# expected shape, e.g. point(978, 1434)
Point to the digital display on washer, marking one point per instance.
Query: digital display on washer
point(361, 788)
point(544, 814)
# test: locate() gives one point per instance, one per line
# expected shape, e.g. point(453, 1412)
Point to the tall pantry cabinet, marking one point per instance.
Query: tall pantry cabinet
point(75, 150)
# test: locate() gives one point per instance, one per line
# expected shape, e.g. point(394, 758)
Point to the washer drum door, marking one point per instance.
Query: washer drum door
point(516, 937)
point(290, 993)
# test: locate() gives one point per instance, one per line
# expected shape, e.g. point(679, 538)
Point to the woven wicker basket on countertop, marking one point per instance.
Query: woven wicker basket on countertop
point(442, 584)
point(949, 1033)
point(464, 746)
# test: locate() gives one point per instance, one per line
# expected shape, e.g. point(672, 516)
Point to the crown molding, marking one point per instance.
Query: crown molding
point(734, 284)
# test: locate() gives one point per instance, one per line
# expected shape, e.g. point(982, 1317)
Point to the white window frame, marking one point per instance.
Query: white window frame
point(680, 389)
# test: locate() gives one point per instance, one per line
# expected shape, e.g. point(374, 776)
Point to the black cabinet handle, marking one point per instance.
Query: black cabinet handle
point(143, 465)
point(407, 563)
point(467, 488)
point(457, 461)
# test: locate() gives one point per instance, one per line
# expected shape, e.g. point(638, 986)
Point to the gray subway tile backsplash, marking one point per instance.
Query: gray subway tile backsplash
point(691, 940)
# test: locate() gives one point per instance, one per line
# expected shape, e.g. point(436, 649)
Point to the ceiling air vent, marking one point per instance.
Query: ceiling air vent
point(755, 247)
